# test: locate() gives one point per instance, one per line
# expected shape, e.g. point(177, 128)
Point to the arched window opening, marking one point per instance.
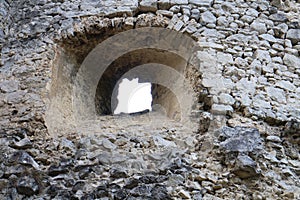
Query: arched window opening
point(133, 96)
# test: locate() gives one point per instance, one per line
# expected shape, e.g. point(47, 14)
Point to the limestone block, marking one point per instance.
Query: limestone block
point(179, 2)
point(148, 5)
point(291, 61)
point(205, 3)
point(208, 18)
point(293, 35)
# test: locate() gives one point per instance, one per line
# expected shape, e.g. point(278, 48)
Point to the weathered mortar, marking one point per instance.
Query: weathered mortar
point(248, 72)
point(250, 57)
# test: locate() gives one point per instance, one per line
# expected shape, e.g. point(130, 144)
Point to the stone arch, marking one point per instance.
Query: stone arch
point(105, 53)
point(126, 63)
point(170, 86)
point(75, 80)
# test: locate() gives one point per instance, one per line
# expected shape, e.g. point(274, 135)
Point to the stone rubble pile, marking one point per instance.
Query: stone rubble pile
point(158, 162)
point(250, 66)
point(249, 59)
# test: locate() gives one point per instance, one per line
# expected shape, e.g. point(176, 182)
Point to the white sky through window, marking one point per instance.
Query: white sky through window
point(133, 96)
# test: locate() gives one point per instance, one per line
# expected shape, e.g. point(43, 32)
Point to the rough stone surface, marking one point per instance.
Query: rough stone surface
point(206, 3)
point(179, 2)
point(276, 94)
point(291, 61)
point(245, 77)
point(286, 85)
point(27, 186)
point(9, 86)
point(260, 27)
point(164, 4)
point(148, 5)
point(208, 18)
point(241, 140)
point(239, 143)
point(293, 35)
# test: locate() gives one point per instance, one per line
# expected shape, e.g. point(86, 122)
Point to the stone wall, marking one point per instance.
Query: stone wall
point(249, 57)
point(245, 72)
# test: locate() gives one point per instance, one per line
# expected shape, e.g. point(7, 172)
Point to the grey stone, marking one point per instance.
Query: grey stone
point(278, 17)
point(67, 145)
point(274, 138)
point(224, 58)
point(229, 7)
point(108, 144)
point(268, 68)
point(277, 60)
point(15, 170)
point(178, 25)
point(287, 85)
point(238, 144)
point(221, 109)
point(131, 183)
point(148, 5)
point(271, 158)
point(252, 12)
point(291, 61)
point(222, 21)
point(173, 21)
point(240, 38)
point(165, 13)
point(40, 27)
point(208, 18)
point(245, 167)
point(226, 99)
point(161, 142)
point(292, 126)
point(190, 28)
point(246, 86)
point(280, 30)
point(27, 186)
point(195, 14)
point(263, 55)
point(22, 157)
point(208, 32)
point(276, 94)
point(164, 4)
point(240, 139)
point(106, 158)
point(259, 102)
point(295, 163)
point(1, 35)
point(9, 86)
point(245, 100)
point(206, 3)
point(208, 196)
point(247, 19)
point(160, 192)
point(263, 80)
point(277, 47)
point(22, 144)
point(186, 11)
point(268, 37)
point(55, 170)
point(184, 194)
point(15, 97)
point(142, 190)
point(175, 9)
point(179, 2)
point(263, 6)
point(293, 35)
point(118, 173)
